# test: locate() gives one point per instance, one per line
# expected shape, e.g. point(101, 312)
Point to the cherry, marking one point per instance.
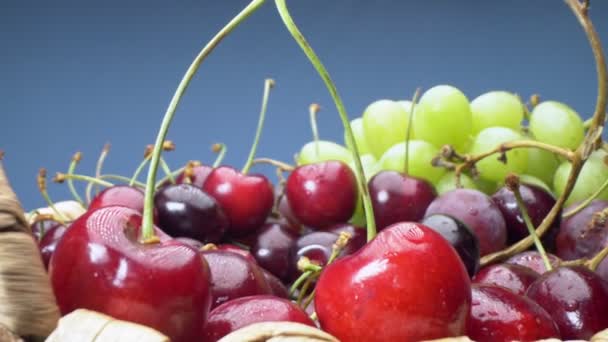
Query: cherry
point(196, 244)
point(583, 234)
point(233, 276)
point(576, 298)
point(271, 248)
point(459, 236)
point(538, 202)
point(119, 195)
point(498, 314)
point(41, 227)
point(100, 265)
point(241, 312)
point(478, 212)
point(184, 210)
point(238, 250)
point(358, 236)
point(516, 278)
point(533, 260)
point(277, 287)
point(397, 197)
point(48, 242)
point(247, 199)
point(198, 177)
point(407, 284)
point(322, 194)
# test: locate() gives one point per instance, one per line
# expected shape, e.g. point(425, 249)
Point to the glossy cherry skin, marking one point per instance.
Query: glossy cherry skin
point(407, 284)
point(241, 312)
point(119, 195)
point(271, 248)
point(576, 298)
point(233, 276)
point(49, 242)
point(397, 197)
point(238, 250)
point(198, 178)
point(276, 285)
point(322, 194)
point(247, 199)
point(498, 315)
point(583, 234)
point(534, 261)
point(100, 265)
point(183, 210)
point(513, 277)
point(478, 212)
point(538, 203)
point(459, 236)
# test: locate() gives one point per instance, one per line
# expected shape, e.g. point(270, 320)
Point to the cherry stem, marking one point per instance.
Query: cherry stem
point(45, 194)
point(62, 177)
point(408, 133)
point(584, 149)
point(140, 167)
point(594, 262)
point(314, 60)
point(75, 160)
point(588, 200)
point(122, 179)
point(167, 170)
point(313, 109)
point(279, 164)
point(102, 157)
point(512, 183)
point(268, 85)
point(220, 149)
point(147, 231)
point(299, 282)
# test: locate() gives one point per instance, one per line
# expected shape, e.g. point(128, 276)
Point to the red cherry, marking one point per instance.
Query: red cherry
point(322, 194)
point(498, 315)
point(119, 195)
point(247, 199)
point(100, 265)
point(407, 284)
point(516, 278)
point(533, 260)
point(241, 312)
point(233, 276)
point(397, 197)
point(238, 250)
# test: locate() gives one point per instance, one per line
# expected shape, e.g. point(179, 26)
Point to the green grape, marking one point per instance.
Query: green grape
point(359, 133)
point(496, 109)
point(542, 164)
point(448, 182)
point(421, 153)
point(443, 116)
point(593, 174)
point(328, 150)
point(557, 124)
point(490, 168)
point(370, 168)
point(528, 179)
point(385, 123)
point(488, 187)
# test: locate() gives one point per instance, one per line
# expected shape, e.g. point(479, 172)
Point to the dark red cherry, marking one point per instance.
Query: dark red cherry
point(187, 211)
point(478, 212)
point(233, 276)
point(198, 177)
point(576, 298)
point(271, 248)
point(49, 241)
point(459, 236)
point(322, 194)
point(41, 227)
point(583, 234)
point(498, 315)
point(241, 312)
point(277, 287)
point(358, 236)
point(397, 197)
point(247, 199)
point(119, 195)
point(99, 264)
point(513, 277)
point(196, 244)
point(538, 202)
point(533, 260)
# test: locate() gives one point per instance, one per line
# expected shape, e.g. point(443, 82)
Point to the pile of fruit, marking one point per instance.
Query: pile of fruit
point(438, 217)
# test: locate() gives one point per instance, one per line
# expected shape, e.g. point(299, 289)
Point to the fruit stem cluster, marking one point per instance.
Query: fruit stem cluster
point(268, 85)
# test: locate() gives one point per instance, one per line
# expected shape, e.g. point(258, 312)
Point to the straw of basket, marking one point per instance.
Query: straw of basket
point(89, 326)
point(28, 303)
point(278, 332)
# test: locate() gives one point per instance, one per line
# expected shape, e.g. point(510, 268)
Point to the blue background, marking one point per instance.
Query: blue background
point(77, 74)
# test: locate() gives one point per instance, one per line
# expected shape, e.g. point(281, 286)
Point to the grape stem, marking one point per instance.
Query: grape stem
point(320, 68)
point(268, 85)
point(586, 202)
point(584, 149)
point(147, 231)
